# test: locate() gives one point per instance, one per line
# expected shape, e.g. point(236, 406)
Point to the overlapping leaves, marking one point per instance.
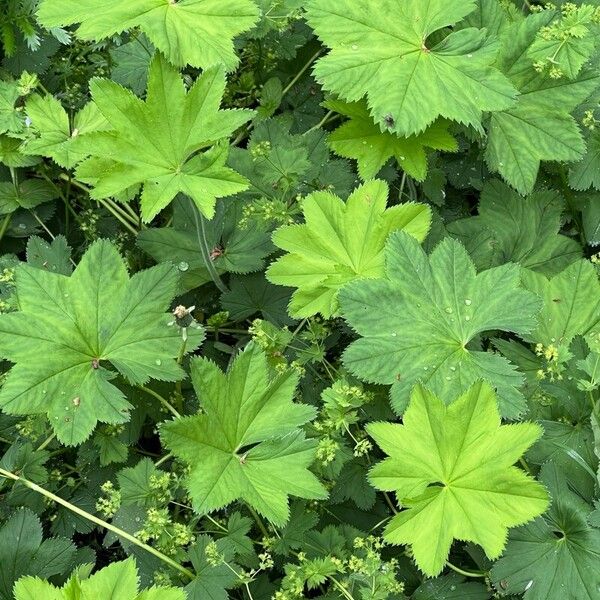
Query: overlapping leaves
point(421, 322)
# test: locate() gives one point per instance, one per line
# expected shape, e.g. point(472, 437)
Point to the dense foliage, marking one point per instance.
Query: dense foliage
point(299, 299)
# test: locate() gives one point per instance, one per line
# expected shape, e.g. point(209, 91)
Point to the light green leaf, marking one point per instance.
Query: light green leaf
point(247, 443)
point(156, 142)
point(70, 329)
point(173, 27)
point(11, 120)
point(362, 139)
point(340, 242)
point(510, 228)
point(117, 581)
point(52, 134)
point(451, 467)
point(384, 51)
point(422, 322)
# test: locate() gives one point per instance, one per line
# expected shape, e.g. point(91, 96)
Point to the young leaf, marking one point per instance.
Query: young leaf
point(451, 467)
point(510, 228)
point(340, 242)
point(362, 139)
point(118, 581)
point(422, 321)
point(174, 27)
point(247, 444)
point(52, 134)
point(407, 79)
point(156, 142)
point(68, 330)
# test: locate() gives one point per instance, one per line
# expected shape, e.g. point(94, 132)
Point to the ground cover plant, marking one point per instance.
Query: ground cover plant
point(299, 299)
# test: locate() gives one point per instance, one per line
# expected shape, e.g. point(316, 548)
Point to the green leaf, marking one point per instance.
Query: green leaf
point(25, 194)
point(53, 136)
point(117, 581)
point(451, 469)
point(539, 126)
point(450, 587)
point(552, 558)
point(24, 552)
point(385, 53)
point(233, 248)
point(156, 142)
point(52, 256)
point(568, 42)
point(510, 228)
point(571, 304)
point(11, 119)
point(69, 329)
point(362, 139)
point(175, 28)
point(586, 173)
point(422, 322)
point(247, 444)
point(340, 242)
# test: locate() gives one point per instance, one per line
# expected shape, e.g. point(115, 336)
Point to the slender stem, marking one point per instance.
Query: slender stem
point(465, 573)
point(162, 400)
point(98, 521)
point(205, 250)
point(258, 520)
point(164, 459)
point(301, 72)
point(42, 224)
point(4, 225)
point(46, 442)
point(321, 122)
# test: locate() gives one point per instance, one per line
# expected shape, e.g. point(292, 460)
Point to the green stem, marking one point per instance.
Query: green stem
point(465, 573)
point(205, 250)
point(301, 72)
point(162, 400)
point(259, 521)
point(4, 225)
point(46, 442)
point(164, 459)
point(98, 521)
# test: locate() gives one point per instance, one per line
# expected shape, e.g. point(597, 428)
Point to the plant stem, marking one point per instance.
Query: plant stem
point(46, 442)
point(259, 522)
point(4, 225)
point(164, 459)
point(465, 573)
point(301, 72)
point(162, 400)
point(205, 250)
point(99, 522)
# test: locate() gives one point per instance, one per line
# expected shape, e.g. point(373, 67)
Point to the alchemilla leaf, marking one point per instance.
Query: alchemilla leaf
point(247, 444)
point(394, 54)
point(174, 27)
point(362, 139)
point(69, 331)
point(451, 467)
point(421, 322)
point(340, 242)
point(165, 143)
